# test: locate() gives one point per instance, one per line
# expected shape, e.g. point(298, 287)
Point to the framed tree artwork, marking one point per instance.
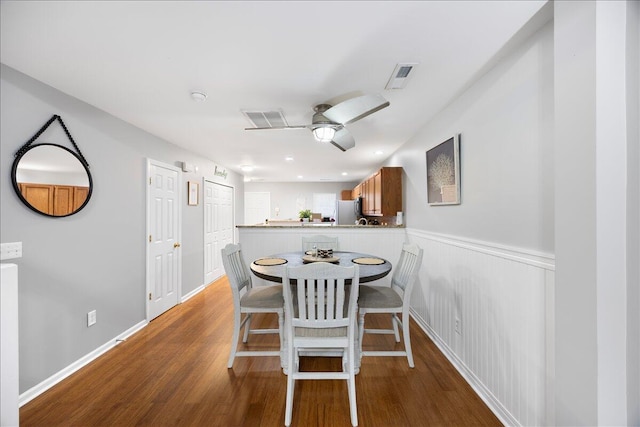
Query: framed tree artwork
point(443, 173)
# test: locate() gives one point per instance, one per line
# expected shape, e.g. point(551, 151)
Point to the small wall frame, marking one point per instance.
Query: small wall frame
point(443, 173)
point(192, 193)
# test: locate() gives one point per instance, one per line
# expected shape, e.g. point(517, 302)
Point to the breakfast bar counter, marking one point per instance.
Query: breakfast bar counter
point(260, 240)
point(319, 226)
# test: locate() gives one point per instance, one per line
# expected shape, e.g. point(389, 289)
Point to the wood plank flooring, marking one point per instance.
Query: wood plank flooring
point(174, 373)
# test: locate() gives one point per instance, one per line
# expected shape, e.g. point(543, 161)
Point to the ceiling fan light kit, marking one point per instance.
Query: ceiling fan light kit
point(324, 134)
point(328, 121)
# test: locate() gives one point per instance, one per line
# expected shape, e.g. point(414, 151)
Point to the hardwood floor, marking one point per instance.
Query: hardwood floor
point(173, 373)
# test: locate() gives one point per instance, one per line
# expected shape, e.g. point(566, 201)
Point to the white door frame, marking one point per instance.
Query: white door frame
point(204, 224)
point(151, 162)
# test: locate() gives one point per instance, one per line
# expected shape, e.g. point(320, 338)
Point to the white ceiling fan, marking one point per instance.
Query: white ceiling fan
point(328, 123)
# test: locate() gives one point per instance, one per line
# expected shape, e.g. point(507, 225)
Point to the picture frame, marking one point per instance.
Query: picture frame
point(443, 173)
point(192, 193)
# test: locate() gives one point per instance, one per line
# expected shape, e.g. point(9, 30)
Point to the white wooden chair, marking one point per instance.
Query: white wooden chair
point(320, 314)
point(249, 299)
point(320, 241)
point(393, 300)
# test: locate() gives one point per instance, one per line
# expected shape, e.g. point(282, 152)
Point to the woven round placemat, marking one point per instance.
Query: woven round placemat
point(368, 261)
point(270, 261)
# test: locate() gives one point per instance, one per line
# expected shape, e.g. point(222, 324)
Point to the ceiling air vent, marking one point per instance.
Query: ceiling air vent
point(265, 119)
point(400, 76)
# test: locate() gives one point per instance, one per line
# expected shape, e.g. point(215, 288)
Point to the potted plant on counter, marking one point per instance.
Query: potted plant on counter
point(305, 215)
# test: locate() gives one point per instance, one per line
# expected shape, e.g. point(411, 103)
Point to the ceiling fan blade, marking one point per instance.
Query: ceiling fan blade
point(343, 140)
point(280, 127)
point(355, 108)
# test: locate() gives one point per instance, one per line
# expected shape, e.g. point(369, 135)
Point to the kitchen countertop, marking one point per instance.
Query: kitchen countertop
point(308, 225)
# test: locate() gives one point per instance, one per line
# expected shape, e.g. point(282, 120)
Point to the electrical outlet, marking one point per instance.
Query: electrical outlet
point(10, 250)
point(458, 327)
point(91, 318)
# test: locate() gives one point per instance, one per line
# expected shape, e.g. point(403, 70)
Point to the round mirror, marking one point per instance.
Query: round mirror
point(52, 180)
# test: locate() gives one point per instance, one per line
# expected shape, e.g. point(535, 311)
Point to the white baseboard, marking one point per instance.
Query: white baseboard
point(487, 397)
point(192, 293)
point(45, 385)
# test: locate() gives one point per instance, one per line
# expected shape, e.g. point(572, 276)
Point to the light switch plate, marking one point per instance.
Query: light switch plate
point(91, 318)
point(10, 250)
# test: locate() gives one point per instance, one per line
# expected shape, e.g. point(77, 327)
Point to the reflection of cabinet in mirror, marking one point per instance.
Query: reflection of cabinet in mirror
point(49, 178)
point(56, 200)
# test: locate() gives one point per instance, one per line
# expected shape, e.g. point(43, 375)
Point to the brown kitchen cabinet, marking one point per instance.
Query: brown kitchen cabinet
point(356, 192)
point(382, 192)
point(346, 195)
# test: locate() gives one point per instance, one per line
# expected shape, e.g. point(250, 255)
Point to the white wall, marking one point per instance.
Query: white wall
point(633, 211)
point(596, 213)
point(93, 260)
point(285, 194)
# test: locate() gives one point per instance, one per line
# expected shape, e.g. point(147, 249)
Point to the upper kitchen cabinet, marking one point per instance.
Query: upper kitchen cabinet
point(356, 192)
point(382, 192)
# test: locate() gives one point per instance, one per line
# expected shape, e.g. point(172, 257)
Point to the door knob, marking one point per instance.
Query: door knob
point(176, 245)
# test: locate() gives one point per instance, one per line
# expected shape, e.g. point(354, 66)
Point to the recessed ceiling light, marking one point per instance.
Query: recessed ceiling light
point(289, 159)
point(246, 168)
point(300, 177)
point(344, 174)
point(379, 152)
point(198, 96)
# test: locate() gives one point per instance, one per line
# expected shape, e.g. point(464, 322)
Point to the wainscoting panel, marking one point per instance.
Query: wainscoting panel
point(486, 307)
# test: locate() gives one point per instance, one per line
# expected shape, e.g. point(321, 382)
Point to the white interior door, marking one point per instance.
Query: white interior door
point(163, 227)
point(218, 227)
point(257, 207)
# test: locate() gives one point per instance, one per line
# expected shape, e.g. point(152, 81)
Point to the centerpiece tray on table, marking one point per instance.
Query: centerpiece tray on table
point(308, 257)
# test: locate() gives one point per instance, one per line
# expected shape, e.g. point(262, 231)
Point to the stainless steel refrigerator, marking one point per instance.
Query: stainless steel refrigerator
point(348, 211)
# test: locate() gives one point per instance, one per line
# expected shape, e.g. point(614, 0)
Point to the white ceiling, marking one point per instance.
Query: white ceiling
point(141, 60)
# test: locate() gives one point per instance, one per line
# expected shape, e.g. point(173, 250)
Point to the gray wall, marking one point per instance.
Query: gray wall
point(633, 210)
point(94, 260)
point(505, 122)
point(515, 192)
point(534, 176)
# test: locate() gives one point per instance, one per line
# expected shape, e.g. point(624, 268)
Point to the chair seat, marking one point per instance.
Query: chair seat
point(378, 297)
point(263, 297)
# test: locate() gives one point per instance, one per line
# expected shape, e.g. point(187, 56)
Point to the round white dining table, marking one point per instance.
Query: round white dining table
point(270, 268)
